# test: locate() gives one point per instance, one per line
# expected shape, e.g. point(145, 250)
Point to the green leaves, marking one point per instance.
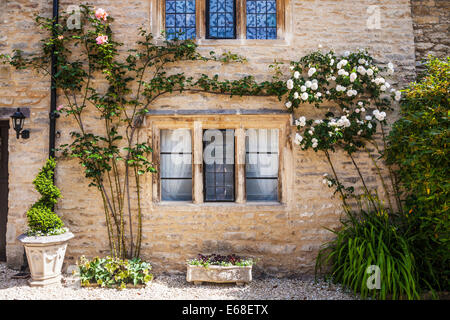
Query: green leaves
point(111, 272)
point(41, 218)
point(366, 239)
point(419, 146)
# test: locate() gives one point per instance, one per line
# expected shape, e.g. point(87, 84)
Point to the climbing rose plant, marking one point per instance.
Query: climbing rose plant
point(112, 154)
point(362, 94)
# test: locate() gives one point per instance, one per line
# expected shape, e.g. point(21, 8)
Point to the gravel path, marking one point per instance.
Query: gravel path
point(173, 288)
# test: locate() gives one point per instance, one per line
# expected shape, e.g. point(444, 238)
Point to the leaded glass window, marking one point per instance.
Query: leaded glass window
point(176, 165)
point(220, 19)
point(218, 166)
point(261, 19)
point(261, 164)
point(180, 19)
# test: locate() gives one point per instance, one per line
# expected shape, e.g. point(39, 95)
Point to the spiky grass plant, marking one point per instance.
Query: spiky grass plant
point(370, 238)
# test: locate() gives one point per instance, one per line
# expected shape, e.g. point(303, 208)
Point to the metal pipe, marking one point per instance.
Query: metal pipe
point(53, 98)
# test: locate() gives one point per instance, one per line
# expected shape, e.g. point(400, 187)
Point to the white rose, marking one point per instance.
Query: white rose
point(370, 72)
point(296, 74)
point(290, 84)
point(311, 72)
point(361, 70)
point(314, 86)
point(288, 104)
point(296, 95)
point(298, 139)
point(303, 88)
point(308, 84)
point(305, 96)
point(353, 77)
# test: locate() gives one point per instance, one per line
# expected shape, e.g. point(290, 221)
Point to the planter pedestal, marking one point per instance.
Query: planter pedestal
point(219, 274)
point(45, 257)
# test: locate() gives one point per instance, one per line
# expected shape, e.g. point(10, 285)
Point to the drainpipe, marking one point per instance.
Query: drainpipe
point(53, 114)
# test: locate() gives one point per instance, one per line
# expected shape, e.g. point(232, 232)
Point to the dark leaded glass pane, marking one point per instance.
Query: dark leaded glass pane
point(261, 19)
point(218, 157)
point(221, 19)
point(180, 19)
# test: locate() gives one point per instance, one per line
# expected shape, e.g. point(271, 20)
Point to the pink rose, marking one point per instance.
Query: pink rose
point(101, 14)
point(60, 37)
point(60, 107)
point(101, 39)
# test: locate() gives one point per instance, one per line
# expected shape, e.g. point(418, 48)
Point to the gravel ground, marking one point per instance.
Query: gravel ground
point(173, 288)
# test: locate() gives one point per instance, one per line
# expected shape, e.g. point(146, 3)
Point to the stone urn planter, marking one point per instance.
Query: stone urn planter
point(45, 255)
point(218, 274)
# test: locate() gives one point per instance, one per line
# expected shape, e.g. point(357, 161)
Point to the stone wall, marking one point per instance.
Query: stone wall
point(285, 238)
point(431, 20)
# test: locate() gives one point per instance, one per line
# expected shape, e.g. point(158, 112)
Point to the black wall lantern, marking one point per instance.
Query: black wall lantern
point(18, 119)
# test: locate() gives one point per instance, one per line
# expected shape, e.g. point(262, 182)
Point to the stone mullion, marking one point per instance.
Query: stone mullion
point(197, 166)
point(240, 166)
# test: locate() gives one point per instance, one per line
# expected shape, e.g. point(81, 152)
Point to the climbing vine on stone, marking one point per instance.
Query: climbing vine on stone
point(113, 155)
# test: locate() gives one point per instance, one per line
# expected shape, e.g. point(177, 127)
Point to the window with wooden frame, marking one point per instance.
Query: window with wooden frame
point(247, 165)
point(220, 19)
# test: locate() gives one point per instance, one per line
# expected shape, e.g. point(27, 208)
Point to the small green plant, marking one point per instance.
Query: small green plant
point(42, 220)
point(218, 260)
point(371, 238)
point(112, 272)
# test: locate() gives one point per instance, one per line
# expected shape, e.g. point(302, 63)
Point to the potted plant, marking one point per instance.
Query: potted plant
point(46, 239)
point(219, 269)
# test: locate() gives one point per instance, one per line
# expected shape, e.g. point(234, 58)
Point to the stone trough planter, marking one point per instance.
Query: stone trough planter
point(45, 257)
point(218, 274)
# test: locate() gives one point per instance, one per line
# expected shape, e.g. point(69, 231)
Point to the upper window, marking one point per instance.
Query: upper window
point(180, 19)
point(261, 19)
point(224, 19)
point(220, 19)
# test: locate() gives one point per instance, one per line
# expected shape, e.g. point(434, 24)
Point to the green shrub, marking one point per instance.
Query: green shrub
point(370, 238)
point(110, 272)
point(42, 220)
point(419, 147)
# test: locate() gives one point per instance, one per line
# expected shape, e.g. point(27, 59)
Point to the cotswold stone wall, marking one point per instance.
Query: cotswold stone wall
point(285, 238)
point(431, 20)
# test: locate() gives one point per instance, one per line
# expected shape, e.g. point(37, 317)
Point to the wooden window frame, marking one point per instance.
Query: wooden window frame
point(240, 123)
point(157, 22)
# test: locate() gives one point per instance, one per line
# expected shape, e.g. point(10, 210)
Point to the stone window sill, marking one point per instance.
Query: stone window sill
point(247, 205)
